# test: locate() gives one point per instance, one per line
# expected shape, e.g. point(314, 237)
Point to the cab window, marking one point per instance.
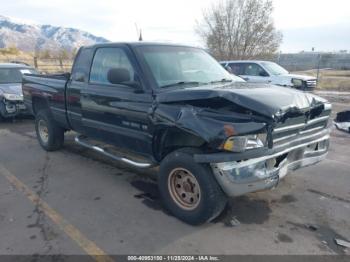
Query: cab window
point(106, 59)
point(252, 69)
point(237, 68)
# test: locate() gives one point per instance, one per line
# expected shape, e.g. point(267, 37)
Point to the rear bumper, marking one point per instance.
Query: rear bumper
point(241, 177)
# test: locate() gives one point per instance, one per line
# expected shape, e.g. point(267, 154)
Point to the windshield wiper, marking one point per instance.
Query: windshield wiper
point(224, 80)
point(182, 83)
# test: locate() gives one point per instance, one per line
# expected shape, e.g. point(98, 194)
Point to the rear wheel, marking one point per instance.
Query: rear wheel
point(189, 190)
point(50, 135)
point(2, 111)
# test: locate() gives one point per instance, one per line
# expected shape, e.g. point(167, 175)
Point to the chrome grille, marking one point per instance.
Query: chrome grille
point(297, 127)
point(311, 83)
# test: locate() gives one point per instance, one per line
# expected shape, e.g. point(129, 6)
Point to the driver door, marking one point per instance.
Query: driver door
point(116, 113)
point(254, 73)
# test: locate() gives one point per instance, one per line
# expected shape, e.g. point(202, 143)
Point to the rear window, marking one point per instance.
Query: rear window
point(82, 63)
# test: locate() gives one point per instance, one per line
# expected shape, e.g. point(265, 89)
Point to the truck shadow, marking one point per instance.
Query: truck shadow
point(149, 194)
point(245, 209)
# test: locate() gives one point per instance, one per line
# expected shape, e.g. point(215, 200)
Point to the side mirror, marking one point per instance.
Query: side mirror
point(121, 76)
point(118, 75)
point(263, 73)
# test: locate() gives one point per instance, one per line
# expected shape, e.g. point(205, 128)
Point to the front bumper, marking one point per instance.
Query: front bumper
point(12, 108)
point(241, 177)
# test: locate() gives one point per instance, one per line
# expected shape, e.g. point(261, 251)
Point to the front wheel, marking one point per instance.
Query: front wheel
point(49, 134)
point(189, 190)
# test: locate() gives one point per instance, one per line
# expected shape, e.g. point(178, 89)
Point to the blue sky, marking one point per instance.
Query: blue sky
point(324, 25)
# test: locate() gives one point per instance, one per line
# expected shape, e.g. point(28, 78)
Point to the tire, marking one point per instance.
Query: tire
point(206, 205)
point(2, 111)
point(49, 134)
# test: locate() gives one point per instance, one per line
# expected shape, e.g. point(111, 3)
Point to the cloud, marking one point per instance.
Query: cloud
point(322, 38)
point(310, 13)
point(169, 20)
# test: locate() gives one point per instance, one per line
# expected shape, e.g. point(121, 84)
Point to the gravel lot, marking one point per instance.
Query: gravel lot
point(93, 205)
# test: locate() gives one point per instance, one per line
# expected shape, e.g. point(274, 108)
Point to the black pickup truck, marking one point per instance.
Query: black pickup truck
point(212, 135)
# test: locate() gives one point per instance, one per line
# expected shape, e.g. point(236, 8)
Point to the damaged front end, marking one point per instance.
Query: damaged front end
point(251, 137)
point(11, 100)
point(11, 106)
point(261, 173)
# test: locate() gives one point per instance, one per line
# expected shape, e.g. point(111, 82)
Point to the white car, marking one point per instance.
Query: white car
point(342, 121)
point(11, 96)
point(269, 72)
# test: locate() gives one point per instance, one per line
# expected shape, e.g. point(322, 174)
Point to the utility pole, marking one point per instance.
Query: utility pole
point(318, 69)
point(279, 57)
point(140, 37)
point(138, 32)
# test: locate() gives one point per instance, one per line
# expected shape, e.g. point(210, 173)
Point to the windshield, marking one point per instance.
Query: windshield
point(14, 75)
point(175, 66)
point(274, 69)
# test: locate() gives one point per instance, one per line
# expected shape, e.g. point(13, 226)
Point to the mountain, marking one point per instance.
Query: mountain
point(30, 37)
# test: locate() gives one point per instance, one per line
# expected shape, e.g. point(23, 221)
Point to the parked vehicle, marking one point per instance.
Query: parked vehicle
point(269, 72)
point(342, 121)
point(212, 135)
point(11, 97)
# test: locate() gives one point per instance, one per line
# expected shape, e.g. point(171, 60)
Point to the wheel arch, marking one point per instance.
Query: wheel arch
point(167, 140)
point(39, 103)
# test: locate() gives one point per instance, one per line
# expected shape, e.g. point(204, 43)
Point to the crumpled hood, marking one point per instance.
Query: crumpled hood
point(267, 100)
point(13, 88)
point(301, 77)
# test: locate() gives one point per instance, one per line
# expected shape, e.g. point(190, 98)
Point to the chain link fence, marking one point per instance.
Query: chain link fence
point(308, 61)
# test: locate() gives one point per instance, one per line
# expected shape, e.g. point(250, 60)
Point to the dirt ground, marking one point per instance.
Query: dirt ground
point(336, 80)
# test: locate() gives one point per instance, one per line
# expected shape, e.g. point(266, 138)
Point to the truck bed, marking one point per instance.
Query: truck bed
point(50, 90)
point(52, 80)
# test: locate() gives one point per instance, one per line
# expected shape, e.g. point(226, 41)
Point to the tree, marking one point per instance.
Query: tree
point(11, 50)
point(240, 29)
point(45, 54)
point(73, 53)
point(63, 54)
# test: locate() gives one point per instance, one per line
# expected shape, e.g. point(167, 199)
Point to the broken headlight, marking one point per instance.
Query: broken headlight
point(243, 143)
point(13, 97)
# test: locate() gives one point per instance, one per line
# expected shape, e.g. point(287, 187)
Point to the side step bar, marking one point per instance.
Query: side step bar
point(78, 140)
